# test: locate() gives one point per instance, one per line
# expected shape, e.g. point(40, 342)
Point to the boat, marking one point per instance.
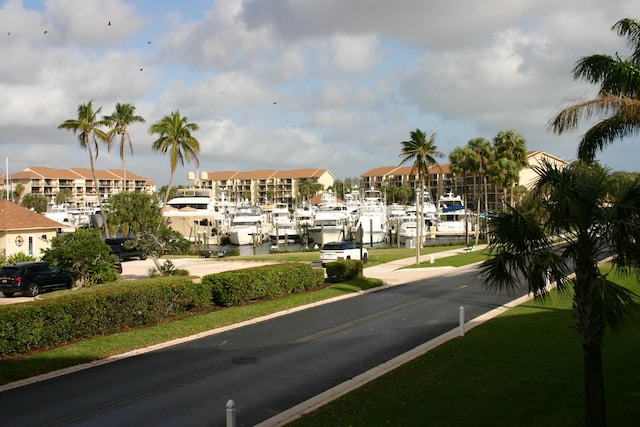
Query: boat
point(283, 228)
point(70, 218)
point(372, 217)
point(331, 221)
point(405, 230)
point(196, 214)
point(453, 218)
point(248, 226)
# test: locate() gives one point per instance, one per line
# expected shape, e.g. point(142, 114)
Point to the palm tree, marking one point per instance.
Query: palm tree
point(423, 152)
point(463, 161)
point(510, 157)
point(484, 154)
point(593, 217)
point(87, 126)
point(618, 98)
point(175, 137)
point(118, 121)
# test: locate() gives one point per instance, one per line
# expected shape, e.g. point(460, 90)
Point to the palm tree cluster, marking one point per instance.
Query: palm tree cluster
point(579, 215)
point(175, 136)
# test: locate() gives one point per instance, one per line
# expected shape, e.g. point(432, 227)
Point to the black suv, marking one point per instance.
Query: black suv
point(123, 250)
point(32, 277)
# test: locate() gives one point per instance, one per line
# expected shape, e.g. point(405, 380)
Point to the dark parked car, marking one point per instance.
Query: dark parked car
point(31, 278)
point(122, 249)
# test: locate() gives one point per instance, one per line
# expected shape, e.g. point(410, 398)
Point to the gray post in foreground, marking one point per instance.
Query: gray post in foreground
point(231, 413)
point(461, 321)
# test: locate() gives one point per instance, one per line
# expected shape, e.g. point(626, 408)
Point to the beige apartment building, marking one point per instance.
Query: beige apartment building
point(263, 187)
point(79, 181)
point(442, 180)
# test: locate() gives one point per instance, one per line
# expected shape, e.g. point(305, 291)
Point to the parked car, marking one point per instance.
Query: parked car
point(123, 250)
point(32, 277)
point(334, 251)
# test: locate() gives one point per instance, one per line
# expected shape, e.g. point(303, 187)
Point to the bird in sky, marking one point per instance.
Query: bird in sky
point(45, 31)
point(109, 23)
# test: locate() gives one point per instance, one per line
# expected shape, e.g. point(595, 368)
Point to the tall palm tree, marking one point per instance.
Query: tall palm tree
point(118, 121)
point(423, 152)
point(618, 98)
point(593, 218)
point(87, 127)
point(510, 157)
point(463, 161)
point(175, 137)
point(484, 153)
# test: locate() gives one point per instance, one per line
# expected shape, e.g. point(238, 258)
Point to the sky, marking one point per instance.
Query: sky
point(288, 84)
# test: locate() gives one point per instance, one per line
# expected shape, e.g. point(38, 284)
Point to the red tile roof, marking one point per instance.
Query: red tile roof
point(16, 217)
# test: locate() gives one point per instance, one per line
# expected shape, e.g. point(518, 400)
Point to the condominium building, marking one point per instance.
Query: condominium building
point(264, 186)
point(442, 180)
point(79, 181)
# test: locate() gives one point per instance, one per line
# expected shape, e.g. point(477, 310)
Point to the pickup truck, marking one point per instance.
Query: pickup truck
point(334, 251)
point(32, 277)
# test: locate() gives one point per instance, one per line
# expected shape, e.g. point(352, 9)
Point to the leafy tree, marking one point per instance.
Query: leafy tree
point(158, 240)
point(593, 216)
point(118, 121)
point(175, 137)
point(338, 189)
point(483, 157)
point(63, 195)
point(308, 189)
point(423, 152)
point(37, 202)
point(510, 157)
point(618, 98)
point(130, 212)
point(19, 257)
point(19, 191)
point(87, 127)
point(83, 251)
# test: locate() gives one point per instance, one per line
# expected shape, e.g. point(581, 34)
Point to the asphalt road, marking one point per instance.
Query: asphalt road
point(266, 367)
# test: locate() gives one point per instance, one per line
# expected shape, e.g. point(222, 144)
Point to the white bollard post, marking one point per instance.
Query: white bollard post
point(231, 413)
point(461, 321)
point(432, 259)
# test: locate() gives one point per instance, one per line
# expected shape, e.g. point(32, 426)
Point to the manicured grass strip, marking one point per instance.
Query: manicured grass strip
point(15, 369)
point(454, 260)
point(523, 368)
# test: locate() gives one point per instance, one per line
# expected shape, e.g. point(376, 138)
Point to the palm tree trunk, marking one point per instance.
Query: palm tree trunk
point(166, 194)
point(97, 184)
point(590, 324)
point(124, 173)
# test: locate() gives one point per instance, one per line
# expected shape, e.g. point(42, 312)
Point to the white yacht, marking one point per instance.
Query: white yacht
point(453, 218)
point(248, 226)
point(196, 214)
point(331, 221)
point(283, 228)
point(372, 217)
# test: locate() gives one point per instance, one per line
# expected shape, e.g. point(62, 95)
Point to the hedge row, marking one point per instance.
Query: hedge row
point(339, 271)
point(270, 281)
point(103, 310)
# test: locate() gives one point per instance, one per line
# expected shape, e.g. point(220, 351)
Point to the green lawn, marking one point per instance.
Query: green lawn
point(523, 368)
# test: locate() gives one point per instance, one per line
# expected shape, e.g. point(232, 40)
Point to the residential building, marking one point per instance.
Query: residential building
point(23, 230)
point(79, 181)
point(264, 186)
point(442, 180)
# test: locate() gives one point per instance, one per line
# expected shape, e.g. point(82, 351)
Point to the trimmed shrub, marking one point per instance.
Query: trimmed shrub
point(339, 271)
point(270, 281)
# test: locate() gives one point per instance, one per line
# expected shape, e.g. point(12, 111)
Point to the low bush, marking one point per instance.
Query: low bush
point(339, 271)
point(108, 309)
point(97, 311)
point(270, 281)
